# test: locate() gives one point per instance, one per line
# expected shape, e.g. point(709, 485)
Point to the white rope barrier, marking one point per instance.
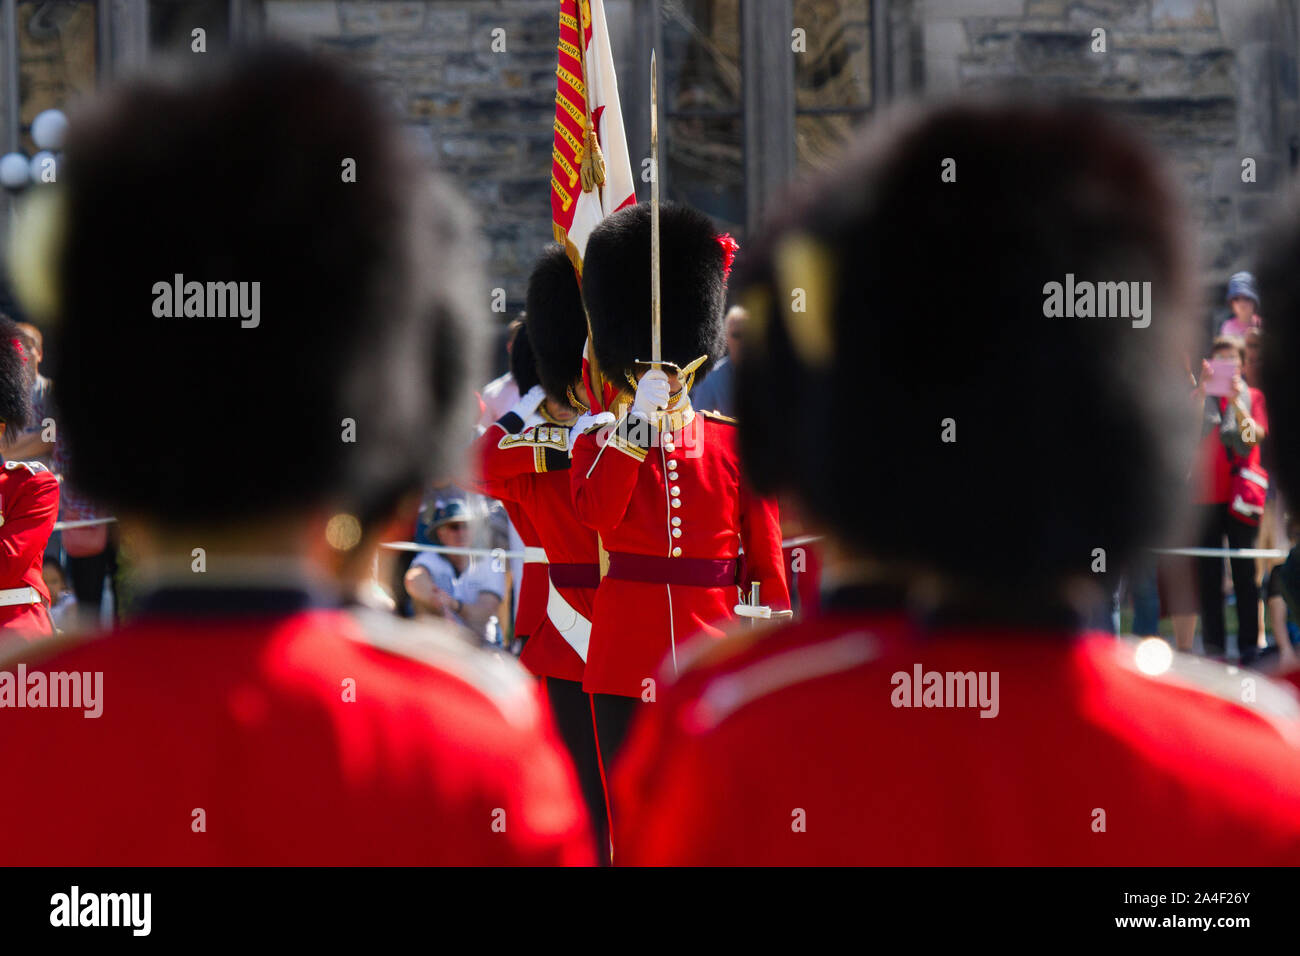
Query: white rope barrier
point(1224, 552)
point(501, 553)
point(787, 543)
point(1188, 552)
point(445, 549)
point(83, 523)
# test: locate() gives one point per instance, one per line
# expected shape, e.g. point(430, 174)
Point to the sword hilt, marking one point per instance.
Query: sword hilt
point(756, 611)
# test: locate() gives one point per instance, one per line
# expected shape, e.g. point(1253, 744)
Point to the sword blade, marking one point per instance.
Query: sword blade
point(656, 355)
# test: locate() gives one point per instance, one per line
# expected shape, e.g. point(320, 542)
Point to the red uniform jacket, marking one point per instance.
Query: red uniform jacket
point(684, 500)
point(528, 468)
point(29, 505)
point(531, 612)
point(233, 741)
point(795, 750)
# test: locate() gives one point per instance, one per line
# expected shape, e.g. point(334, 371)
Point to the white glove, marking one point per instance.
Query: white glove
point(587, 422)
point(651, 394)
point(529, 401)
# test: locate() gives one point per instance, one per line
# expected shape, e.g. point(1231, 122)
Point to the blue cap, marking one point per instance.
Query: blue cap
point(1242, 284)
point(449, 511)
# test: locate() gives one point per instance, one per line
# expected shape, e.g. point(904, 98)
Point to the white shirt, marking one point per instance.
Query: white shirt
point(499, 396)
point(477, 578)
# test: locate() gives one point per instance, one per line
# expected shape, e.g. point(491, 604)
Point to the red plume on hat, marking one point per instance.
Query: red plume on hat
point(729, 249)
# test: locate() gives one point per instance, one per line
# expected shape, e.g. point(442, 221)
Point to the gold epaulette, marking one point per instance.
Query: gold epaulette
point(717, 416)
point(540, 436)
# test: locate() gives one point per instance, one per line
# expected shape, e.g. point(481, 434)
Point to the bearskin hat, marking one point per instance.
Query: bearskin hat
point(616, 289)
point(523, 363)
point(557, 324)
point(1279, 285)
point(363, 344)
point(923, 402)
point(17, 375)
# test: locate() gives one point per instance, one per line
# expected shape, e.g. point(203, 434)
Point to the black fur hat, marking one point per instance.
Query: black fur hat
point(1279, 286)
point(557, 325)
point(17, 375)
point(900, 372)
point(616, 289)
point(523, 363)
point(363, 352)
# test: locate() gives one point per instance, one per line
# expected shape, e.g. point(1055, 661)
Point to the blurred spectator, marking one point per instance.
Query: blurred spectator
point(715, 393)
point(1243, 299)
point(1251, 372)
point(1280, 591)
point(29, 502)
point(500, 394)
point(465, 589)
point(489, 525)
point(1229, 496)
point(497, 398)
point(31, 444)
point(1142, 583)
point(1272, 526)
point(90, 552)
point(63, 603)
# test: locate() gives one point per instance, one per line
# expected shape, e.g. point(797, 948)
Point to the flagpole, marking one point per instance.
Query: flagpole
point(592, 174)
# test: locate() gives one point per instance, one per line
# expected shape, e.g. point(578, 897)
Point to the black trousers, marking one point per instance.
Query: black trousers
point(613, 717)
point(1216, 524)
point(571, 710)
point(86, 575)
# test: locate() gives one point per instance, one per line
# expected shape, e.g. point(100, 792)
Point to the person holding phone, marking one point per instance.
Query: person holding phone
point(1229, 479)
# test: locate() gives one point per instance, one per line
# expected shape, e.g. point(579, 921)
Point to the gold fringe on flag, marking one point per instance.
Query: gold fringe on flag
point(593, 161)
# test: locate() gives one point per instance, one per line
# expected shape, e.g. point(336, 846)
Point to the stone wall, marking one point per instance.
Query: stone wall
point(482, 116)
point(1211, 82)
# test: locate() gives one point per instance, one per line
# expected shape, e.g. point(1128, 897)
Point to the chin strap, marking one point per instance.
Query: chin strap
point(575, 401)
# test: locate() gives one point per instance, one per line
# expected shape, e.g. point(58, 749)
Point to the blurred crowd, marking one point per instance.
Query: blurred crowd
point(1233, 507)
point(80, 567)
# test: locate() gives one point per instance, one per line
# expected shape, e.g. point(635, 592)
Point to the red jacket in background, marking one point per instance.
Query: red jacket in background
point(29, 506)
point(683, 498)
point(790, 750)
point(318, 737)
point(1215, 463)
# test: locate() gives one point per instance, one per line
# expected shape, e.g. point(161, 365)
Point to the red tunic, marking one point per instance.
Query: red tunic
point(678, 499)
point(800, 731)
point(29, 505)
point(531, 613)
point(442, 757)
point(529, 474)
